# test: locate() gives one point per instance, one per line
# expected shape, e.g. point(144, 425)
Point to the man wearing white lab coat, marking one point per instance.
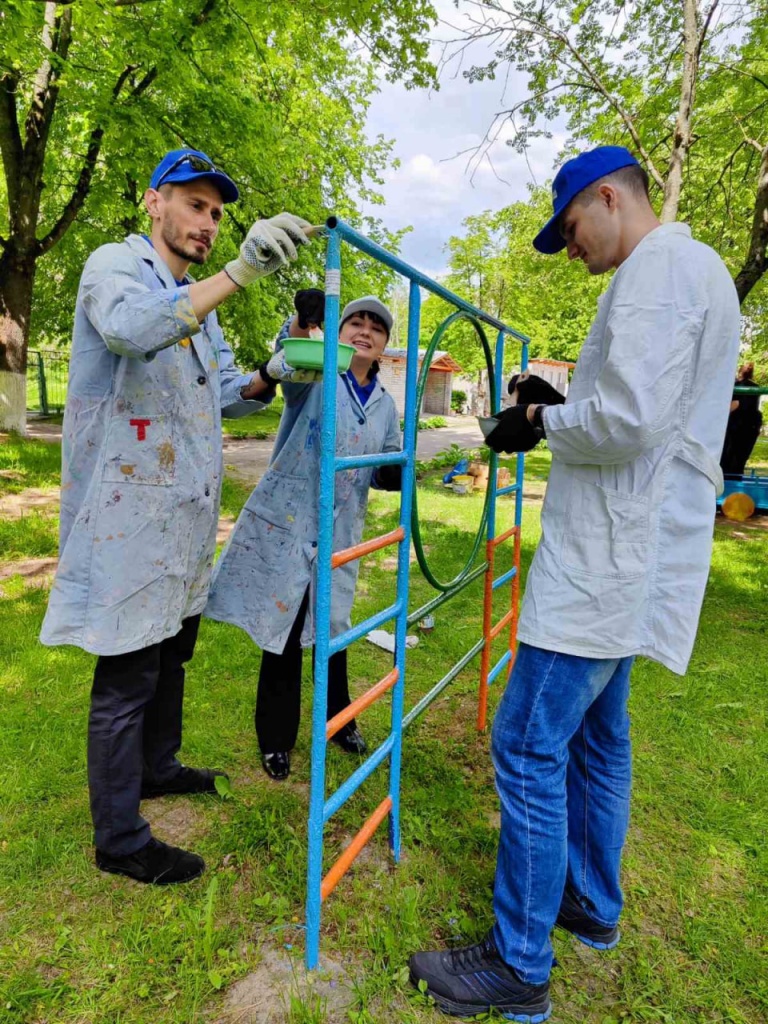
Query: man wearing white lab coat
point(150, 377)
point(620, 572)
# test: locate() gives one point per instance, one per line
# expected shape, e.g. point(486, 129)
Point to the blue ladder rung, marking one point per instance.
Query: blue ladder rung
point(357, 778)
point(338, 643)
point(509, 489)
point(505, 578)
point(504, 660)
point(377, 459)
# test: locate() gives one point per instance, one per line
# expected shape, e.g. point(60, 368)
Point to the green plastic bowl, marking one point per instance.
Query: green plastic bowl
point(307, 354)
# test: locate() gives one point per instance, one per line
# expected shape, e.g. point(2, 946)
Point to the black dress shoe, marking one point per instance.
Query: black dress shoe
point(350, 740)
point(156, 863)
point(277, 765)
point(573, 918)
point(188, 780)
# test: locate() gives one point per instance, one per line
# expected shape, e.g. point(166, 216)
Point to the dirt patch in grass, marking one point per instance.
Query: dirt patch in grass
point(266, 995)
point(175, 820)
point(32, 499)
point(35, 572)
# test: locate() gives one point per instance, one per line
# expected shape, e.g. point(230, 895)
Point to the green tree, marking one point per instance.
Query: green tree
point(683, 84)
point(92, 91)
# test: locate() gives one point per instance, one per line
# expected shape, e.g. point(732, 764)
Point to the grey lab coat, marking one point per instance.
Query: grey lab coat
point(141, 456)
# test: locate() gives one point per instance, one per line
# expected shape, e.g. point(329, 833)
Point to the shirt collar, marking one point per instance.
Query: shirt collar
point(143, 248)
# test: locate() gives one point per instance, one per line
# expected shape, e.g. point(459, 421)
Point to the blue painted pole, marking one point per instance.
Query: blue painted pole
point(403, 562)
point(323, 598)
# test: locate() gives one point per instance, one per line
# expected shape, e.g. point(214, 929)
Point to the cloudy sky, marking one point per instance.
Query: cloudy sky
point(431, 190)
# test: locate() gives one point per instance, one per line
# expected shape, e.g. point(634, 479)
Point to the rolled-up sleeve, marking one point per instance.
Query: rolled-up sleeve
point(133, 320)
point(654, 323)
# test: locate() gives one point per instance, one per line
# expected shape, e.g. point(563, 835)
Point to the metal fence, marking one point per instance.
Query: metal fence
point(47, 373)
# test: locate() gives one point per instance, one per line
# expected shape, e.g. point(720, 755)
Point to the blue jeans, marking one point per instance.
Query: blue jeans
point(562, 756)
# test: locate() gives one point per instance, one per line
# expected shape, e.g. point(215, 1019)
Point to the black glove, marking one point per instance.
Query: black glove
point(310, 305)
point(533, 390)
point(389, 478)
point(515, 433)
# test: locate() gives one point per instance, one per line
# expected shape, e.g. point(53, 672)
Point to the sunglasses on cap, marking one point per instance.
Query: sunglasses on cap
point(197, 163)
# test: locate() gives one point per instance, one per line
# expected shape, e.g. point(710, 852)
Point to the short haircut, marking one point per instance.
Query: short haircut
point(634, 178)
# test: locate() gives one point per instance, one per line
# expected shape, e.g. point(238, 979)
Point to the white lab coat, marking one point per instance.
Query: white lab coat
point(141, 455)
point(628, 516)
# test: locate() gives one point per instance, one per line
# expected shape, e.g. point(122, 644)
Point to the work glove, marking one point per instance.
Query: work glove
point(389, 478)
point(269, 245)
point(277, 369)
point(514, 433)
point(310, 305)
point(533, 390)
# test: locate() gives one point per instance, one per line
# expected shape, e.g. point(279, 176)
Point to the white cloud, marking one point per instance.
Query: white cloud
point(432, 190)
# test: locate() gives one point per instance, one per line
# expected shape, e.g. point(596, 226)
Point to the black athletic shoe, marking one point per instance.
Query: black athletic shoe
point(350, 740)
point(573, 918)
point(156, 864)
point(277, 765)
point(187, 781)
point(472, 980)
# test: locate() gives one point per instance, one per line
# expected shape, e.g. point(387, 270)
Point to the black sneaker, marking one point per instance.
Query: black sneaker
point(474, 979)
point(156, 863)
point(573, 918)
point(350, 740)
point(187, 781)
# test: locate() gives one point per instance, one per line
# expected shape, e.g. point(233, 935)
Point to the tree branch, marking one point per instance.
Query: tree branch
point(83, 185)
point(755, 264)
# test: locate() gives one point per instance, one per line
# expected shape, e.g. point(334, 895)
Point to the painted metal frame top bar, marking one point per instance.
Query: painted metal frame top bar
point(372, 249)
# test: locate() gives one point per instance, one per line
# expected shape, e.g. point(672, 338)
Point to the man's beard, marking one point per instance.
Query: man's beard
point(171, 237)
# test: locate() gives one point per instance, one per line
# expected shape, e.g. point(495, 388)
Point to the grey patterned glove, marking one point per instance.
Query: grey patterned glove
point(278, 369)
point(268, 246)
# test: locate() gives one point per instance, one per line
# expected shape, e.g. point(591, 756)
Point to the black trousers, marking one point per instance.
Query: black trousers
point(134, 734)
point(278, 698)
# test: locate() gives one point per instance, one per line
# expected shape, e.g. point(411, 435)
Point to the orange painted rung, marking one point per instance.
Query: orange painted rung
point(362, 702)
point(504, 536)
point(343, 864)
point(501, 624)
point(366, 547)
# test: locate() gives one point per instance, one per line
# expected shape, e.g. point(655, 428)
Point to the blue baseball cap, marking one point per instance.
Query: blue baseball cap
point(573, 177)
point(182, 165)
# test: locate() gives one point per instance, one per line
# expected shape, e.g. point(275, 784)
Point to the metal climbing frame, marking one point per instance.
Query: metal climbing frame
point(321, 809)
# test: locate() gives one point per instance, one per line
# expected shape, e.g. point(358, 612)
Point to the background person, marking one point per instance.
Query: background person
point(150, 374)
point(263, 580)
point(744, 425)
point(620, 571)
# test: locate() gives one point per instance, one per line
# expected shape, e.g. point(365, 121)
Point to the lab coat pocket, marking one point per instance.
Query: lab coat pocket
point(606, 532)
point(274, 514)
point(140, 449)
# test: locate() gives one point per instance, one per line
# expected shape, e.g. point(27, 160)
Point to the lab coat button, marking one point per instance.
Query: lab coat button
point(207, 492)
point(202, 380)
point(361, 422)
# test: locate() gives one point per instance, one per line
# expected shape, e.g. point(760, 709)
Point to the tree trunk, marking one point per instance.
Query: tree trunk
point(756, 263)
point(681, 140)
point(17, 278)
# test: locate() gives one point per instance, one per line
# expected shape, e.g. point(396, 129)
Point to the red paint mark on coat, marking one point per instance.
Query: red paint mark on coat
point(281, 606)
point(141, 428)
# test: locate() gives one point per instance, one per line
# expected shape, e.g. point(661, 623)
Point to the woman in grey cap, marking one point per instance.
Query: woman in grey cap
point(265, 577)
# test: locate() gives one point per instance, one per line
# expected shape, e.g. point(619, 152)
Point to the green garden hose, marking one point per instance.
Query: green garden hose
point(420, 387)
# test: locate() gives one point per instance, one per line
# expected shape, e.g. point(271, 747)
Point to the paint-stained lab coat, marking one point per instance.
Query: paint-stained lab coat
point(628, 516)
point(141, 455)
point(269, 560)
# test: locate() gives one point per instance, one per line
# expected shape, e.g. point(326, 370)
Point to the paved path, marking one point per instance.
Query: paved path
point(248, 459)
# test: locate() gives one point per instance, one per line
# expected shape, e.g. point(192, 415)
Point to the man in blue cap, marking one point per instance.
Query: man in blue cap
point(620, 571)
point(150, 378)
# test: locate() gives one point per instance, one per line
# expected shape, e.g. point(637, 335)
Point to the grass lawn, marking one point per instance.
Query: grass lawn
point(80, 947)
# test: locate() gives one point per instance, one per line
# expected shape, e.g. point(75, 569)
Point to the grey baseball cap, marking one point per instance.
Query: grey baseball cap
point(368, 304)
